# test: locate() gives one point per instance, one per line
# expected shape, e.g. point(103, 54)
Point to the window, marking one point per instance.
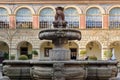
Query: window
point(46, 51)
point(114, 18)
point(4, 18)
point(46, 18)
point(72, 17)
point(24, 19)
point(93, 18)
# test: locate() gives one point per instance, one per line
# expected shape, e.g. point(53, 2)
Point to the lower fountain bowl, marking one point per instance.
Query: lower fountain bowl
point(59, 70)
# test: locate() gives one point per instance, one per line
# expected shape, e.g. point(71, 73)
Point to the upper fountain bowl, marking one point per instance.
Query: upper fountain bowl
point(64, 33)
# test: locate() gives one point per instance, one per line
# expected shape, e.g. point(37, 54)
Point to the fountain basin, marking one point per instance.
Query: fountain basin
point(65, 70)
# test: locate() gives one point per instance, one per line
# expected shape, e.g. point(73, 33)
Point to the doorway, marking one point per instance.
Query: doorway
point(73, 53)
point(24, 50)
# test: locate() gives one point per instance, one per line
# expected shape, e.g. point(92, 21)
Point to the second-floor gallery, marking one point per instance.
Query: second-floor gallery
point(80, 16)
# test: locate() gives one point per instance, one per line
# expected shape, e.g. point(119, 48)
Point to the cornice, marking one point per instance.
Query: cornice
point(59, 1)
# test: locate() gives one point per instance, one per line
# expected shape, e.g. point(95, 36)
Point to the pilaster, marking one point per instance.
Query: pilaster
point(82, 21)
point(81, 56)
point(105, 21)
point(102, 55)
point(12, 21)
point(35, 21)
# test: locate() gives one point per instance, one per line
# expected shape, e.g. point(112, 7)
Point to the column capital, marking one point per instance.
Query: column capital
point(35, 14)
point(82, 14)
point(105, 14)
point(82, 48)
point(12, 15)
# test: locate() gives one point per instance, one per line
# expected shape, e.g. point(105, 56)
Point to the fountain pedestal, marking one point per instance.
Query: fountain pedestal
point(59, 54)
point(60, 37)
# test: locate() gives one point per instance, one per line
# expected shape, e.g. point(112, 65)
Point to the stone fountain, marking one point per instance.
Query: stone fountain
point(59, 67)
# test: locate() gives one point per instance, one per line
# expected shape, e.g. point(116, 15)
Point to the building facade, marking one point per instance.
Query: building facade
point(98, 21)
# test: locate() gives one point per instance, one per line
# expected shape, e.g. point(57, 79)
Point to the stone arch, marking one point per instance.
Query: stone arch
point(24, 40)
point(28, 7)
point(95, 6)
point(4, 46)
point(114, 6)
point(113, 43)
point(46, 7)
point(8, 9)
point(77, 8)
point(94, 48)
point(24, 48)
point(94, 40)
point(74, 44)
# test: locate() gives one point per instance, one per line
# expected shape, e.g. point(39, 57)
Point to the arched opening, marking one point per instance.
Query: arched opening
point(93, 18)
point(24, 48)
point(72, 17)
point(4, 18)
point(24, 19)
point(46, 18)
point(115, 49)
point(114, 18)
point(94, 49)
point(4, 51)
point(45, 47)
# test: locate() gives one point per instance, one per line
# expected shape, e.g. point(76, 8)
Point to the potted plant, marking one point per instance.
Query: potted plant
point(35, 54)
point(6, 55)
point(108, 54)
point(12, 57)
point(23, 57)
point(30, 56)
point(92, 57)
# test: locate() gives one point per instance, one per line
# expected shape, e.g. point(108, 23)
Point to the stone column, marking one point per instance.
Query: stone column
point(81, 56)
point(13, 53)
point(12, 21)
point(105, 21)
point(38, 56)
point(35, 21)
point(82, 21)
point(102, 55)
